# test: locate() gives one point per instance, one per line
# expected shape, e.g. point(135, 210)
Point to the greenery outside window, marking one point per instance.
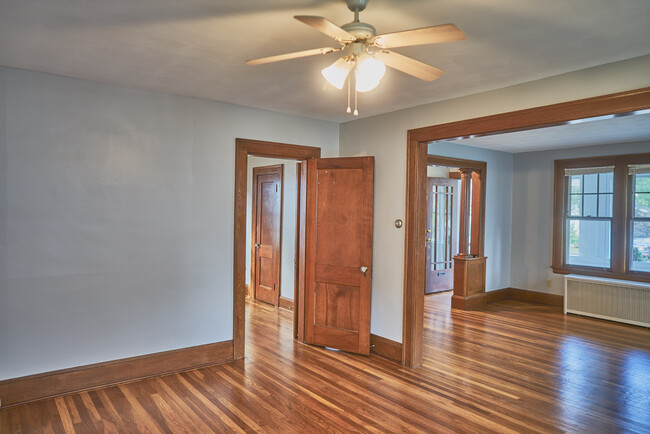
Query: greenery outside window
point(640, 217)
point(601, 221)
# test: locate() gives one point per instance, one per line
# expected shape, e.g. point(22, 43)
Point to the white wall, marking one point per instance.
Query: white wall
point(289, 202)
point(384, 136)
point(532, 214)
point(116, 230)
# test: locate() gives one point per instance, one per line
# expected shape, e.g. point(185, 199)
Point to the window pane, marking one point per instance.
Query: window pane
point(576, 184)
point(605, 205)
point(642, 182)
point(591, 183)
point(591, 203)
point(589, 243)
point(642, 205)
point(575, 207)
point(606, 181)
point(640, 246)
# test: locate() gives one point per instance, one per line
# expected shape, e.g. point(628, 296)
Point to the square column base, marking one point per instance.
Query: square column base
point(469, 283)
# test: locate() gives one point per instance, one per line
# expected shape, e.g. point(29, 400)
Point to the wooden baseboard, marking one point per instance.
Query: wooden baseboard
point(20, 390)
point(386, 348)
point(470, 302)
point(498, 295)
point(286, 303)
point(525, 295)
point(536, 297)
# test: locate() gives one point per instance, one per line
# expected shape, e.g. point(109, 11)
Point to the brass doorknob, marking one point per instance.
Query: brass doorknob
point(428, 240)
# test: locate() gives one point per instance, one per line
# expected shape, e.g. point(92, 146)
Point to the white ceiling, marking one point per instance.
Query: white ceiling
point(198, 47)
point(584, 133)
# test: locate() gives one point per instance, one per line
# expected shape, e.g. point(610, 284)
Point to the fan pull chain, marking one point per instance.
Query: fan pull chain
point(349, 110)
point(356, 112)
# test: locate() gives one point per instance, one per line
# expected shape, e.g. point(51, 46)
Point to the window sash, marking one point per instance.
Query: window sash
point(593, 240)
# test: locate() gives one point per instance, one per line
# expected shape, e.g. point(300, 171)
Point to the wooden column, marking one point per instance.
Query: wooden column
point(469, 270)
point(465, 204)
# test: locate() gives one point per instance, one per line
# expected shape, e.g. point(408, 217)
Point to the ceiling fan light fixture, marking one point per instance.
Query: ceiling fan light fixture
point(367, 53)
point(337, 73)
point(369, 72)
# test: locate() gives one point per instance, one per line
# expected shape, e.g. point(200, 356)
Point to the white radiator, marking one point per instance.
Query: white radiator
point(615, 300)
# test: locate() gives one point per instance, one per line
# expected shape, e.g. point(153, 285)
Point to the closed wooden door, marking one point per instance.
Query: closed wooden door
point(267, 230)
point(440, 242)
point(339, 253)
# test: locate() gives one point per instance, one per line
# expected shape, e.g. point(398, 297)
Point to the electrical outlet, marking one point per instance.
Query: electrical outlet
point(548, 282)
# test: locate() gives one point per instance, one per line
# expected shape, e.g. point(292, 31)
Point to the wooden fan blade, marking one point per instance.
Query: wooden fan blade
point(289, 56)
point(409, 66)
point(325, 26)
point(425, 35)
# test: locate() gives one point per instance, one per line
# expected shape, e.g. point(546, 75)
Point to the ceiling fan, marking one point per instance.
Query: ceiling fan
point(367, 53)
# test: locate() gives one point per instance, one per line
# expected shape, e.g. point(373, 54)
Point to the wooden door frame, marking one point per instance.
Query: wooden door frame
point(416, 173)
point(296, 266)
point(265, 170)
point(244, 148)
point(480, 168)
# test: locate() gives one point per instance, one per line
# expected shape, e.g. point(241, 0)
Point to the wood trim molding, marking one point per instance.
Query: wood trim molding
point(20, 390)
point(416, 162)
point(244, 148)
point(415, 251)
point(299, 290)
point(386, 348)
point(286, 303)
point(497, 295)
point(536, 297)
point(525, 295)
point(543, 116)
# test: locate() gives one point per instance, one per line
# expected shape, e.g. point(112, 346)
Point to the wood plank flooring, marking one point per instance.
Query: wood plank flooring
point(513, 367)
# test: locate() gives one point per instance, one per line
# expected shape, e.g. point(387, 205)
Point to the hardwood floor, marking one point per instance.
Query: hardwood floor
point(513, 367)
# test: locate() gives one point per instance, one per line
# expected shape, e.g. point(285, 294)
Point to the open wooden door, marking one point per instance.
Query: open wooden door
point(338, 253)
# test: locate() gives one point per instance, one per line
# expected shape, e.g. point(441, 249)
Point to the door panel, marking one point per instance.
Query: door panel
point(335, 209)
point(267, 232)
point(340, 306)
point(338, 247)
point(441, 238)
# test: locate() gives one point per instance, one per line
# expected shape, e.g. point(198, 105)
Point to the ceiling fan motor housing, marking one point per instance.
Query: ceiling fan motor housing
point(360, 30)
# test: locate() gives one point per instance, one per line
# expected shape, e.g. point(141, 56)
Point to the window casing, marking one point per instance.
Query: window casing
point(601, 221)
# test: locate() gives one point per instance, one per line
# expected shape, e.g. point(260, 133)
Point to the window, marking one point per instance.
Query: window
point(640, 218)
point(589, 216)
point(602, 217)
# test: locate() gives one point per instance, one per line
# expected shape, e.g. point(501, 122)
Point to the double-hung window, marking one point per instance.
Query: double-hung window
point(588, 216)
point(602, 216)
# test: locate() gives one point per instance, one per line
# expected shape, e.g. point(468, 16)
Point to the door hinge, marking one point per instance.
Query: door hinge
point(276, 188)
